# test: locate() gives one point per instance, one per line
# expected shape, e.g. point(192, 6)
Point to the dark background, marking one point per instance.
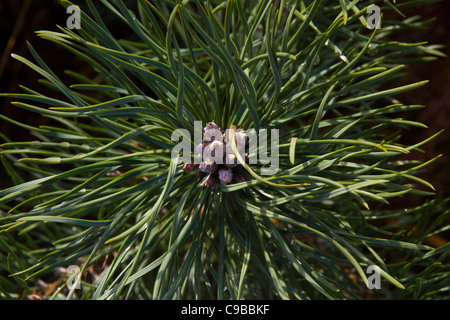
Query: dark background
point(20, 19)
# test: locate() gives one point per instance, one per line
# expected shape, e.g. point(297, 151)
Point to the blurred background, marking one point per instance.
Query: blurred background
point(20, 19)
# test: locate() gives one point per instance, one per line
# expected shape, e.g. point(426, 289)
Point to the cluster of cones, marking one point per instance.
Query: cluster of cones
point(218, 160)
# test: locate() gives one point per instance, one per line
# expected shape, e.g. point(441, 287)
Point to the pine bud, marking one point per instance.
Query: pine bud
point(188, 167)
point(225, 176)
point(210, 181)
